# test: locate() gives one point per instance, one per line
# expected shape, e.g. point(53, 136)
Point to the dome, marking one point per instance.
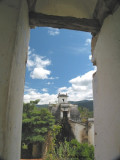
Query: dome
point(74, 112)
point(56, 112)
point(53, 110)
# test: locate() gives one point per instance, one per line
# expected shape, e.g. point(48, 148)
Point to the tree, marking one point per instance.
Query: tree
point(85, 113)
point(35, 124)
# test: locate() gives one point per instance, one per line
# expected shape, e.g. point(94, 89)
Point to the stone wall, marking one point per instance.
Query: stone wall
point(83, 132)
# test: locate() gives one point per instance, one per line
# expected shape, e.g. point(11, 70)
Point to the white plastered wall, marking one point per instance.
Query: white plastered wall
point(60, 100)
point(61, 114)
point(78, 130)
point(74, 8)
point(91, 134)
point(14, 38)
point(106, 86)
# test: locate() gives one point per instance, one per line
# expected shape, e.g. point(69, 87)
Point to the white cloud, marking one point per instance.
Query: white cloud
point(30, 63)
point(62, 89)
point(82, 80)
point(37, 66)
point(44, 89)
point(87, 42)
point(49, 83)
point(29, 51)
point(90, 57)
point(40, 73)
point(80, 89)
point(53, 31)
point(45, 98)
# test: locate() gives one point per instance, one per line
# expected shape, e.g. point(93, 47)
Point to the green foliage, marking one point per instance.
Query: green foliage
point(85, 113)
point(55, 131)
point(34, 102)
point(81, 151)
point(50, 155)
point(36, 123)
point(24, 146)
point(72, 150)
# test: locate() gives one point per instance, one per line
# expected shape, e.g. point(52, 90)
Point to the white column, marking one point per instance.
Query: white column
point(106, 86)
point(14, 38)
point(61, 114)
point(91, 133)
point(68, 114)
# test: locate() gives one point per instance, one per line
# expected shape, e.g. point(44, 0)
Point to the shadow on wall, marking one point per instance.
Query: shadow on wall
point(66, 131)
point(118, 158)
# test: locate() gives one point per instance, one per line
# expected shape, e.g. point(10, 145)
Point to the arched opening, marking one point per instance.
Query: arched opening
point(66, 56)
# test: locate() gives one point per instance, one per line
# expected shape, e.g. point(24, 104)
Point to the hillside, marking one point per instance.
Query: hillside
point(85, 103)
point(42, 105)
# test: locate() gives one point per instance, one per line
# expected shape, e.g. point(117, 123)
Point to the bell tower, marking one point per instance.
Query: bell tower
point(62, 98)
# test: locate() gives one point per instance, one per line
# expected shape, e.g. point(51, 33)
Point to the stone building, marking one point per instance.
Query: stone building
point(63, 109)
point(83, 132)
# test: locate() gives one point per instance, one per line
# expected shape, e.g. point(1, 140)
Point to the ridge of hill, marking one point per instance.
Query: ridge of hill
point(84, 103)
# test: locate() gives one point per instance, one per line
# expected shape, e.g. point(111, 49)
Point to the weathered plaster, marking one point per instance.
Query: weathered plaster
point(79, 131)
point(13, 52)
point(74, 8)
point(106, 86)
point(91, 134)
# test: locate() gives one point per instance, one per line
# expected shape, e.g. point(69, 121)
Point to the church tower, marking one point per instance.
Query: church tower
point(62, 98)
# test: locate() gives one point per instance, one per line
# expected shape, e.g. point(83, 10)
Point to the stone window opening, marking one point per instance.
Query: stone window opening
point(65, 114)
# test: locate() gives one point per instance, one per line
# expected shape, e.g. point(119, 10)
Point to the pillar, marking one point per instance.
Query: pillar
point(106, 87)
point(68, 113)
point(61, 114)
point(14, 38)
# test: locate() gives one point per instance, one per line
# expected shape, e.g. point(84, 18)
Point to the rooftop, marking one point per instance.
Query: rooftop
point(62, 95)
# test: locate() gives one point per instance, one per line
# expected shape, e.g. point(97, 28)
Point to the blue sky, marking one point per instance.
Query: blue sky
point(58, 61)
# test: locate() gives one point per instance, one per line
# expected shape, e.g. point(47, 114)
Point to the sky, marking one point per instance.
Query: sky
point(59, 61)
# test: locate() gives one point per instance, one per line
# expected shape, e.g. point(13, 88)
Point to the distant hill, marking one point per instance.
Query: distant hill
point(42, 105)
point(85, 103)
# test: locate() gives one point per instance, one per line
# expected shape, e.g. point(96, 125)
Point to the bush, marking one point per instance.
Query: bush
point(72, 150)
